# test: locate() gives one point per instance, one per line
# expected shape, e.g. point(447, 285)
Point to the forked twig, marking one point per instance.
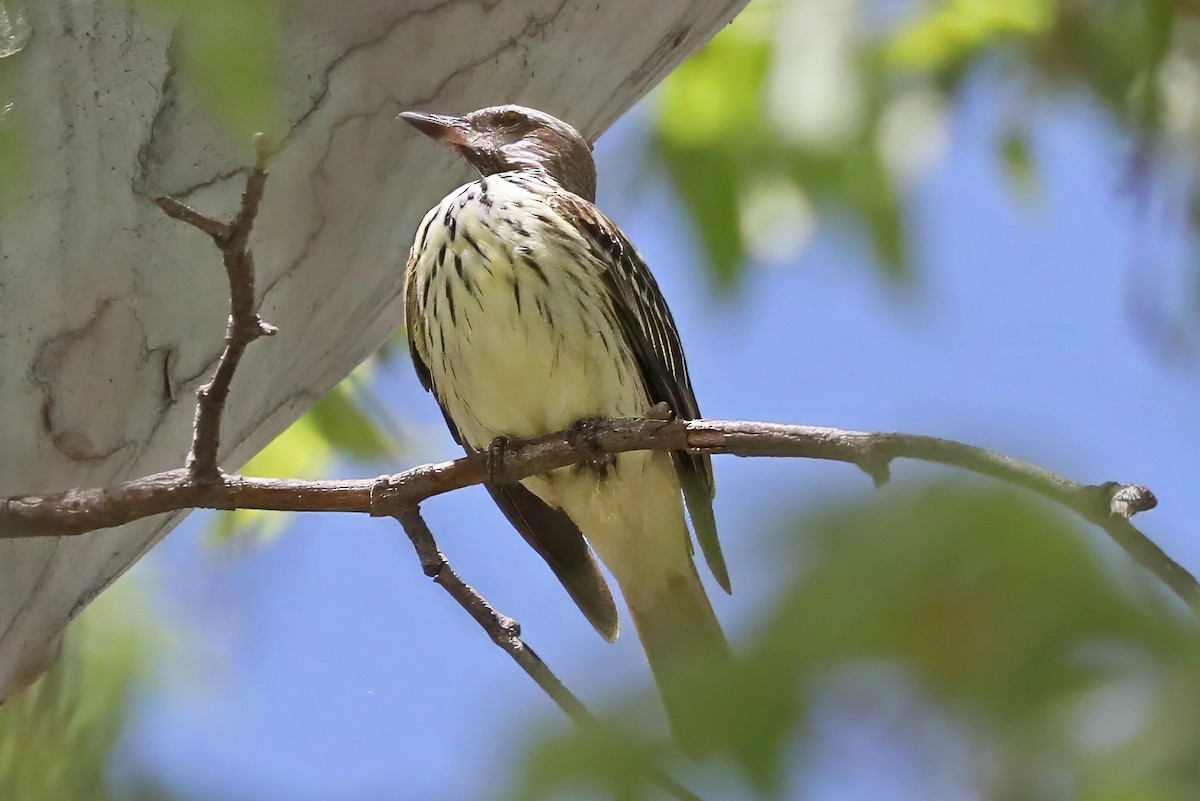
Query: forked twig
point(244, 325)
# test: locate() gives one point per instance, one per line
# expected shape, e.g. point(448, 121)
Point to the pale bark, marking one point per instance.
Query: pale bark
point(111, 314)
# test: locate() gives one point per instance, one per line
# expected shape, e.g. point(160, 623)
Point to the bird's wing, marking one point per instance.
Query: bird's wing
point(549, 531)
point(556, 538)
point(650, 330)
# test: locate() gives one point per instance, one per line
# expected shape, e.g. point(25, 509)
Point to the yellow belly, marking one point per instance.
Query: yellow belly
point(520, 334)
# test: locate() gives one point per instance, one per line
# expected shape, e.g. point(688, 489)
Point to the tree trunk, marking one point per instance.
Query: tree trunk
point(111, 314)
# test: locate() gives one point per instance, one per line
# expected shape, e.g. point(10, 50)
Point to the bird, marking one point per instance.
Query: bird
point(528, 311)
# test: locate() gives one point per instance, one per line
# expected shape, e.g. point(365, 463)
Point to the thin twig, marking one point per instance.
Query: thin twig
point(506, 633)
point(244, 324)
point(1107, 505)
point(503, 630)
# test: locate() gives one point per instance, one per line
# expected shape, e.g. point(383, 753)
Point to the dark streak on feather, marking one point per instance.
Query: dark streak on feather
point(471, 241)
point(544, 310)
point(425, 292)
point(450, 301)
point(425, 234)
point(537, 268)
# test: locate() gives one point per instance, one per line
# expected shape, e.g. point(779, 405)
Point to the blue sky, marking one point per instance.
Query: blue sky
point(325, 666)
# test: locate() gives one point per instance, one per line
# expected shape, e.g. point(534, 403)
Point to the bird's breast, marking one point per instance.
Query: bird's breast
point(518, 327)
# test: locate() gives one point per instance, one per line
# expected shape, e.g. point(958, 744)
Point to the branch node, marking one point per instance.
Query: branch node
point(660, 411)
point(265, 149)
point(216, 229)
point(507, 627)
point(879, 468)
point(204, 474)
point(1129, 499)
point(432, 567)
point(377, 498)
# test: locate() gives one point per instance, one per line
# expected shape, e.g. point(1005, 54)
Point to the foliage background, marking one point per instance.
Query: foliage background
point(963, 218)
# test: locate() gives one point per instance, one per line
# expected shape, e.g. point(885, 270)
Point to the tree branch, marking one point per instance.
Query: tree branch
point(1108, 505)
point(504, 631)
point(244, 324)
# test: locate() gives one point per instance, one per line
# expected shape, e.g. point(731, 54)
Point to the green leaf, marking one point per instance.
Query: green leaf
point(708, 116)
point(615, 762)
point(15, 120)
point(720, 140)
point(57, 737)
point(714, 96)
point(955, 29)
point(708, 181)
point(226, 52)
point(339, 418)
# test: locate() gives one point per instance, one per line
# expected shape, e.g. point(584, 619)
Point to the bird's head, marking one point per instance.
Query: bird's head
point(501, 138)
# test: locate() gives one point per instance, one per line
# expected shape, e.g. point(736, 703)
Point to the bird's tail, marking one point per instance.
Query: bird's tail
point(634, 520)
point(681, 637)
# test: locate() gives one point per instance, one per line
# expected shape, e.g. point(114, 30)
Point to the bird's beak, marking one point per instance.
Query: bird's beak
point(440, 128)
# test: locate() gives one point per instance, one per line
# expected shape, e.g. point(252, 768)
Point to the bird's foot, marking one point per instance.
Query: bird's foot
point(495, 459)
point(583, 436)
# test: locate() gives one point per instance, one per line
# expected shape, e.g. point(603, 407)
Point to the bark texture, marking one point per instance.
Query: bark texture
point(111, 314)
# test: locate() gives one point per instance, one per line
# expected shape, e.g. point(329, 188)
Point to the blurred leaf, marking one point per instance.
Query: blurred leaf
point(708, 183)
point(707, 139)
point(955, 29)
point(1017, 158)
point(227, 53)
point(340, 419)
point(802, 96)
point(995, 612)
point(855, 179)
point(615, 762)
point(714, 96)
point(1116, 51)
point(721, 136)
point(301, 451)
point(342, 423)
point(56, 738)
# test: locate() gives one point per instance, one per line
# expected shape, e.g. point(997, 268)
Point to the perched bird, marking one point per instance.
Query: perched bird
point(528, 310)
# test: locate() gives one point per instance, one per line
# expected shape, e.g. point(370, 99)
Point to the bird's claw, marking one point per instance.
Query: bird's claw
point(495, 459)
point(583, 436)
